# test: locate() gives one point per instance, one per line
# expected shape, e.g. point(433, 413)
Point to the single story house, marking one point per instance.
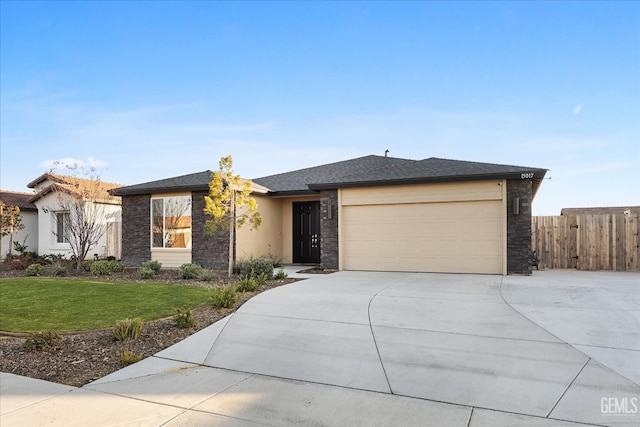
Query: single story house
point(369, 213)
point(29, 213)
point(50, 193)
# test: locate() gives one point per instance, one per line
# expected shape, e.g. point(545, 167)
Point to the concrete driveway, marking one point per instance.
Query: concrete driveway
point(359, 348)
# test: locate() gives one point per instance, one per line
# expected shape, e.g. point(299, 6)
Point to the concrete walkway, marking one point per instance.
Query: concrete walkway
point(360, 348)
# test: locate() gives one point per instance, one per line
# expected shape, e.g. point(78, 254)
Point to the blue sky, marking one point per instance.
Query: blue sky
point(149, 90)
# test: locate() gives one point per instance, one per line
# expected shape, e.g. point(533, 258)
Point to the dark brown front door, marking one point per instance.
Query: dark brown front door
point(306, 232)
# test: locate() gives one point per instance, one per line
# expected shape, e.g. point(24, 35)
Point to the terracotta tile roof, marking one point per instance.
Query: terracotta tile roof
point(22, 200)
point(73, 185)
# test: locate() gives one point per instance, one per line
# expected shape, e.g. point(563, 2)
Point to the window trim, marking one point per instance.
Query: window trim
point(151, 217)
point(60, 224)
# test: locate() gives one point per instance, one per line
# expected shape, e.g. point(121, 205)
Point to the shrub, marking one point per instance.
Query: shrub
point(262, 278)
point(254, 267)
point(42, 340)
point(101, 268)
point(127, 328)
point(247, 284)
point(281, 274)
point(117, 266)
point(129, 357)
point(224, 297)
point(34, 270)
point(86, 264)
point(207, 275)
point(153, 265)
point(190, 271)
point(145, 273)
point(58, 270)
point(184, 319)
point(104, 268)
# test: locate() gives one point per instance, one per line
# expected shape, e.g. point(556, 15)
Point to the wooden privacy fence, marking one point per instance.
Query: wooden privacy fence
point(587, 242)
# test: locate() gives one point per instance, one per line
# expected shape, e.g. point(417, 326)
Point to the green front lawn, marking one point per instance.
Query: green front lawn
point(64, 304)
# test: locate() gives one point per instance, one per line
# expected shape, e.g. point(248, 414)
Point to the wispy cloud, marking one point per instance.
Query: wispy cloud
point(577, 109)
point(71, 163)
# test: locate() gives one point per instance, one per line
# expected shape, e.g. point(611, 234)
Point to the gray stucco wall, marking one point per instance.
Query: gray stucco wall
point(329, 229)
point(136, 229)
point(519, 227)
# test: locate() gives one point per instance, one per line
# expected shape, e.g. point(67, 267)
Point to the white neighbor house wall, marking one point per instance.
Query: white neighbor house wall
point(30, 232)
point(48, 206)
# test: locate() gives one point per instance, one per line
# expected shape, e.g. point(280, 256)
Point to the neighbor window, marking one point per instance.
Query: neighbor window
point(62, 221)
point(171, 222)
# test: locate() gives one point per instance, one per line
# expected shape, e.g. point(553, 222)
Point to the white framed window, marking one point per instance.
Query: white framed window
point(62, 222)
point(171, 222)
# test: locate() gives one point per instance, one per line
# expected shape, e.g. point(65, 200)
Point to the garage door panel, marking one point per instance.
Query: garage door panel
point(435, 237)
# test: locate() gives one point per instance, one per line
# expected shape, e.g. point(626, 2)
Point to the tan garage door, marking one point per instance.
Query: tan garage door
point(453, 237)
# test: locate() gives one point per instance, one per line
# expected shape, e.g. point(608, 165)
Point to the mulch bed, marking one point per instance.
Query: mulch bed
point(83, 357)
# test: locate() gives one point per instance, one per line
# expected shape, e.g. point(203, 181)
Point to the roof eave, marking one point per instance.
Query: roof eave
point(122, 191)
point(538, 175)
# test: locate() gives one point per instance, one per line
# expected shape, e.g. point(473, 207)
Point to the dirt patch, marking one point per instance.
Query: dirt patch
point(83, 357)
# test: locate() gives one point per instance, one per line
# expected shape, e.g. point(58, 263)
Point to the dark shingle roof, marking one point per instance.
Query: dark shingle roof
point(300, 180)
point(363, 171)
point(378, 170)
point(193, 182)
point(22, 200)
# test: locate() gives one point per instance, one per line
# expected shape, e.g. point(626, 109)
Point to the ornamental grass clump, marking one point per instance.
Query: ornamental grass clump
point(127, 329)
point(128, 357)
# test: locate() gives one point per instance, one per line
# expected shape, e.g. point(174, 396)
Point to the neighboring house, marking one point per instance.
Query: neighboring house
point(29, 234)
point(52, 238)
point(629, 210)
point(368, 213)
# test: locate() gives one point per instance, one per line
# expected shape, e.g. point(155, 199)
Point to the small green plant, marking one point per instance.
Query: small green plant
point(145, 273)
point(42, 340)
point(261, 278)
point(21, 248)
point(117, 266)
point(127, 328)
point(105, 268)
point(207, 275)
point(190, 271)
point(58, 270)
point(183, 319)
point(34, 270)
point(247, 284)
point(281, 274)
point(224, 297)
point(86, 264)
point(101, 268)
point(129, 357)
point(254, 267)
point(153, 265)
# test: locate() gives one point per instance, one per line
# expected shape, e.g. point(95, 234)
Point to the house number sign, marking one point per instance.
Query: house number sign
point(526, 175)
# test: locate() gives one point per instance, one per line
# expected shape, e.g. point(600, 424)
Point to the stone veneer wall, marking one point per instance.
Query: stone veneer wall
point(136, 229)
point(207, 250)
point(519, 227)
point(329, 229)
